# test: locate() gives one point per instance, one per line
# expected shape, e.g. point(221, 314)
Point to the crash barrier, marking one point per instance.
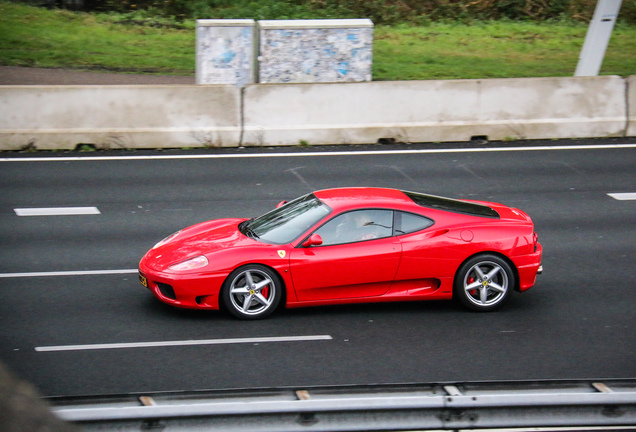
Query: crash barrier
point(63, 117)
point(431, 111)
point(402, 407)
point(631, 106)
point(114, 117)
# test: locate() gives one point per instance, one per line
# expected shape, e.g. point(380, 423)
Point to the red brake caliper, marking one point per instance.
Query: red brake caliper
point(471, 280)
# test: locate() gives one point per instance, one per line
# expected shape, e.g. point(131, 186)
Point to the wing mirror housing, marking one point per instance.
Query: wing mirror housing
point(280, 204)
point(313, 240)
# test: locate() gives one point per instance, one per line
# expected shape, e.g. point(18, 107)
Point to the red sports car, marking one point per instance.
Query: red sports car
point(352, 245)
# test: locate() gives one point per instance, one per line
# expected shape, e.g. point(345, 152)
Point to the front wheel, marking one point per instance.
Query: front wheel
point(252, 292)
point(484, 282)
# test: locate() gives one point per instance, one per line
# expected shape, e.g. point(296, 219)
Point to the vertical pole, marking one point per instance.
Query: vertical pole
point(597, 38)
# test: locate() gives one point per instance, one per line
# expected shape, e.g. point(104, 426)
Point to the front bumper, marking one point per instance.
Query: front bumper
point(191, 291)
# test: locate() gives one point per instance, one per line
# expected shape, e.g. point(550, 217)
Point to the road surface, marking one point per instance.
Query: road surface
point(68, 281)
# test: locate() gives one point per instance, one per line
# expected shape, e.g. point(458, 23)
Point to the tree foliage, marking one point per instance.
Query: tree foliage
point(389, 12)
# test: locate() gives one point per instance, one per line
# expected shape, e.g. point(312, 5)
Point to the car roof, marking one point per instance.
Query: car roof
point(344, 199)
point(354, 197)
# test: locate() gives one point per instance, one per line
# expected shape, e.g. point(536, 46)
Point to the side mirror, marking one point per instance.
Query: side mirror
point(280, 204)
point(313, 240)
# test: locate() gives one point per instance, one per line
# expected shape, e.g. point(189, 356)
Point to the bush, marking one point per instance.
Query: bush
point(388, 12)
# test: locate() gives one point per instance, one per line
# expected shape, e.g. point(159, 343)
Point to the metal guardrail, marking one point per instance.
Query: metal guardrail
point(369, 408)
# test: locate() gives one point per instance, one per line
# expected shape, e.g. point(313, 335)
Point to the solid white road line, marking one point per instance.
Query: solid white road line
point(184, 343)
point(623, 196)
point(68, 273)
point(563, 429)
point(57, 211)
point(321, 154)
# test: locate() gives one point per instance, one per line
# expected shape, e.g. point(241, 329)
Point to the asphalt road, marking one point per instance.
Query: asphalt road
point(579, 321)
point(16, 75)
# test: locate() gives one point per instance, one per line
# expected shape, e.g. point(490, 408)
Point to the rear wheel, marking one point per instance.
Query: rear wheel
point(252, 292)
point(484, 282)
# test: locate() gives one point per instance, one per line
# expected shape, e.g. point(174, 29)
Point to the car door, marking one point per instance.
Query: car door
point(358, 257)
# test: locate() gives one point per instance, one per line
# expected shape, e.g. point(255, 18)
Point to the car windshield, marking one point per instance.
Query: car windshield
point(285, 224)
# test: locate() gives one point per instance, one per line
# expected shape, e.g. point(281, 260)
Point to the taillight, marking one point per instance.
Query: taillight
point(535, 240)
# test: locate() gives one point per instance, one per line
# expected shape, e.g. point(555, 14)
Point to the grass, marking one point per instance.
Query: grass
point(41, 38)
point(494, 49)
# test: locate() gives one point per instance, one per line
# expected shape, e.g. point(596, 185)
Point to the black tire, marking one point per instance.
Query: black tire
point(252, 292)
point(484, 282)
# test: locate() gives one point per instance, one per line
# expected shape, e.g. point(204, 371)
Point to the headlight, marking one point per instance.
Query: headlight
point(191, 264)
point(167, 239)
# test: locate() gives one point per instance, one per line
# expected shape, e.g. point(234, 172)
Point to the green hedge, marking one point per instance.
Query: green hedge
point(387, 12)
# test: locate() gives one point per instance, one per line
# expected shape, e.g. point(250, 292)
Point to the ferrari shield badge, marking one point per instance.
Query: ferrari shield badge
point(281, 253)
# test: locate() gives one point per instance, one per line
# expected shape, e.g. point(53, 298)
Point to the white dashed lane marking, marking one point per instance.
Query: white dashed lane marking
point(57, 211)
point(256, 340)
point(623, 196)
point(68, 273)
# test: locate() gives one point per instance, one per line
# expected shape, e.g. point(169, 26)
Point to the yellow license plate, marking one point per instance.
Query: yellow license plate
point(143, 281)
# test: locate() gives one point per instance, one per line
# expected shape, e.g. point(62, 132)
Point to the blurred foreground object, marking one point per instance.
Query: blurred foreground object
point(22, 410)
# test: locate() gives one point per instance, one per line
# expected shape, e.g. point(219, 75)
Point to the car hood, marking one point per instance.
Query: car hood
point(201, 239)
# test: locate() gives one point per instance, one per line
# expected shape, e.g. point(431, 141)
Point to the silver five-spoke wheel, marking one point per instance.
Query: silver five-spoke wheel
point(251, 292)
point(484, 282)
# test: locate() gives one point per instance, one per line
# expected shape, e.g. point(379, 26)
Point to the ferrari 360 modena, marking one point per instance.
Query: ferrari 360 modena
point(348, 245)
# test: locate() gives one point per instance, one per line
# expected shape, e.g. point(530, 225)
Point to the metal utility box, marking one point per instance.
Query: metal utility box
point(312, 51)
point(226, 52)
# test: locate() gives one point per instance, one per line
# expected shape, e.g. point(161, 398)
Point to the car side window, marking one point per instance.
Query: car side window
point(355, 226)
point(406, 223)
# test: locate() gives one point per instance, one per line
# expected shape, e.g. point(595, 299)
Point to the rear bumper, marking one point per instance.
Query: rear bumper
point(528, 267)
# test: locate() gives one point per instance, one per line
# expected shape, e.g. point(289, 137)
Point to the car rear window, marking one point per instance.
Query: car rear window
point(451, 205)
point(406, 223)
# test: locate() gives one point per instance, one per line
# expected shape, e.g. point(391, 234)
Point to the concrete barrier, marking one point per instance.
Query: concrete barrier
point(631, 106)
point(430, 111)
point(61, 117)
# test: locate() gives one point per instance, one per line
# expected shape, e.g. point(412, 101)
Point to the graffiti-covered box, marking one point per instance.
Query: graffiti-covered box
point(312, 51)
point(225, 52)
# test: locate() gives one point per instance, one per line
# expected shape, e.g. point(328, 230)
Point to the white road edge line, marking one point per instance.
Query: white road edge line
point(628, 196)
point(319, 154)
point(57, 211)
point(184, 343)
point(68, 273)
point(562, 429)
